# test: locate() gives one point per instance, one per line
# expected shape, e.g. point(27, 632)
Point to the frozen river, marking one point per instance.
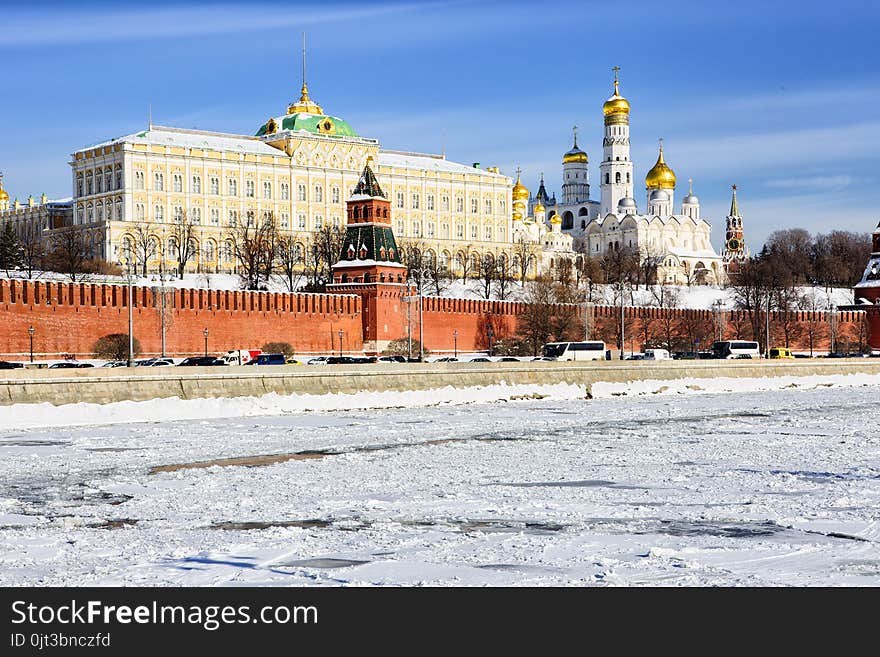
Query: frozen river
point(754, 488)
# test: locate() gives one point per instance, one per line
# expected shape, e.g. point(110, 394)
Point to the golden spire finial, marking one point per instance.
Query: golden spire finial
point(616, 70)
point(305, 104)
point(574, 130)
point(690, 186)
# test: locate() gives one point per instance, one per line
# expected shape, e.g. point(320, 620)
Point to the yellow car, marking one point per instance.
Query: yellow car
point(781, 352)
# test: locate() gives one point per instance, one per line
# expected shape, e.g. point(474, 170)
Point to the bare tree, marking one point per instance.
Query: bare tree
point(412, 254)
point(33, 248)
point(290, 259)
point(649, 266)
point(487, 275)
point(327, 249)
point(666, 297)
point(523, 252)
point(465, 262)
point(183, 232)
point(438, 275)
point(70, 253)
point(504, 276)
point(253, 246)
point(144, 247)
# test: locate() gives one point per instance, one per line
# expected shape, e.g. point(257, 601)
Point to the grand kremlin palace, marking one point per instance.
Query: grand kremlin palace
point(300, 167)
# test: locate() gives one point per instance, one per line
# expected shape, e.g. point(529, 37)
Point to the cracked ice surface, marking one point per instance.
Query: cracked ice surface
point(770, 487)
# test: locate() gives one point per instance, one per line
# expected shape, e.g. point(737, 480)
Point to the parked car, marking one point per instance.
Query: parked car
point(781, 353)
point(269, 359)
point(836, 354)
point(480, 359)
point(507, 359)
point(6, 365)
point(201, 361)
point(636, 357)
point(63, 366)
point(317, 360)
point(339, 360)
point(294, 361)
point(392, 359)
point(115, 363)
point(240, 356)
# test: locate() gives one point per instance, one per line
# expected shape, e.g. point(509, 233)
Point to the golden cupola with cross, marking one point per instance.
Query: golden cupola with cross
point(4, 196)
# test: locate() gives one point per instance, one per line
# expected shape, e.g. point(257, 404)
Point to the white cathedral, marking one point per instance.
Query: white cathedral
point(680, 241)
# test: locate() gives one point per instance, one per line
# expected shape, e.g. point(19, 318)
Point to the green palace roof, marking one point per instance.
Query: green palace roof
point(318, 124)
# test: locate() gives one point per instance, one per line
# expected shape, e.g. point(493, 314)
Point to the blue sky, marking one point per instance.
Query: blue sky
point(781, 98)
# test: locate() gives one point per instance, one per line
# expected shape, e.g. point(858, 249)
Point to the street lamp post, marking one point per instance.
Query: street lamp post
point(31, 331)
point(340, 341)
point(130, 361)
point(455, 343)
point(490, 333)
point(206, 342)
point(717, 307)
point(767, 329)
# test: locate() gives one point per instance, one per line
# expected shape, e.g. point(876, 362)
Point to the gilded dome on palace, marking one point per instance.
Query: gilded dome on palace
point(306, 115)
point(3, 195)
point(539, 207)
point(660, 176)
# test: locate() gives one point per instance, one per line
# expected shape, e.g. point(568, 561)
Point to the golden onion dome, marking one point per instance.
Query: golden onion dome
point(556, 219)
point(517, 216)
point(660, 176)
point(3, 195)
point(616, 108)
point(539, 207)
point(575, 155)
point(520, 191)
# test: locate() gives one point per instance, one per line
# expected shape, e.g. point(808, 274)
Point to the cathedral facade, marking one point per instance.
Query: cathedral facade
point(678, 240)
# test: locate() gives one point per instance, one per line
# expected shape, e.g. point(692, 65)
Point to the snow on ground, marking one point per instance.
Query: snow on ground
point(775, 487)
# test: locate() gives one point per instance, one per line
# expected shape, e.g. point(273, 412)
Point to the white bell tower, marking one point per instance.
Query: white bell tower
point(616, 169)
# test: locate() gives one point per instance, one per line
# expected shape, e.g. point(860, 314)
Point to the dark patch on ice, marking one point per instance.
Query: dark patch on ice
point(32, 443)
point(584, 483)
point(685, 463)
point(115, 449)
point(323, 563)
point(866, 567)
point(815, 476)
point(115, 523)
point(237, 525)
point(518, 568)
point(733, 529)
point(508, 526)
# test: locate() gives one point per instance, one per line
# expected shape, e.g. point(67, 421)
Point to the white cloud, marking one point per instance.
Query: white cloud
point(830, 183)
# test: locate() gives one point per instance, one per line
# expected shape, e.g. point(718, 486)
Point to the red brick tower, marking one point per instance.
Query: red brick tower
point(867, 293)
point(734, 251)
point(370, 265)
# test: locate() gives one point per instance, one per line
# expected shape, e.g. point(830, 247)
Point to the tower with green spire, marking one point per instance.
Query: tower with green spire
point(370, 266)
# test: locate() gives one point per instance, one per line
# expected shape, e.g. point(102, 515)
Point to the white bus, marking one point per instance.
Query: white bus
point(592, 350)
point(736, 349)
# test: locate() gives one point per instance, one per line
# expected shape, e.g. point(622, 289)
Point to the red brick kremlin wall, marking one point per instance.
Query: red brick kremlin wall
point(69, 317)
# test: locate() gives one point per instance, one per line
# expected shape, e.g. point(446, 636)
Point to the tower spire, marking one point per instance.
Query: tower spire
point(690, 186)
point(304, 104)
point(734, 206)
point(574, 130)
point(616, 70)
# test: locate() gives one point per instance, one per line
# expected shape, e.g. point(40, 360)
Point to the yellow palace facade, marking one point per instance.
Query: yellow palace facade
point(299, 168)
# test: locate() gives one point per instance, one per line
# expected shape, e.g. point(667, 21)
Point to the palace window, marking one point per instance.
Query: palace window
point(319, 222)
point(99, 184)
point(488, 206)
point(334, 194)
point(89, 184)
point(474, 232)
point(336, 222)
point(475, 206)
point(400, 199)
point(430, 201)
point(430, 229)
point(459, 231)
point(267, 189)
point(79, 184)
point(444, 231)
point(158, 182)
point(215, 185)
point(108, 179)
point(459, 204)
point(319, 194)
point(118, 176)
point(197, 185)
point(100, 213)
point(285, 220)
point(302, 220)
point(444, 203)
point(177, 183)
point(488, 233)
point(502, 206)
point(400, 227)
point(178, 214)
point(415, 201)
point(416, 229)
point(285, 191)
point(233, 218)
point(139, 212)
point(209, 251)
point(249, 188)
point(301, 192)
point(159, 213)
point(233, 187)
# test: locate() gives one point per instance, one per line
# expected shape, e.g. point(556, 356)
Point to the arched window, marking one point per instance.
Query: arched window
point(617, 177)
point(607, 178)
